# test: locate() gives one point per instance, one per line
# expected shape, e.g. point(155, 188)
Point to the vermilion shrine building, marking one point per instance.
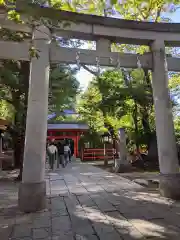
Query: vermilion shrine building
point(70, 131)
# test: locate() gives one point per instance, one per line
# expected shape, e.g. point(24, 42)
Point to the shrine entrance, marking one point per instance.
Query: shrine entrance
point(73, 143)
point(70, 132)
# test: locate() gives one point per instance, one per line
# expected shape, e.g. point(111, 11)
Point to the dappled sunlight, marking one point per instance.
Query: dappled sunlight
point(89, 174)
point(91, 213)
point(149, 229)
point(132, 227)
point(109, 176)
point(156, 228)
point(149, 197)
point(92, 202)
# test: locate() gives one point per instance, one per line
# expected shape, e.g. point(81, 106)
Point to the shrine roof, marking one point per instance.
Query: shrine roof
point(71, 126)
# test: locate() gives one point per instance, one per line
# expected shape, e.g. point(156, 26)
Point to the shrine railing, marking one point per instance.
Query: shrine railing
point(95, 154)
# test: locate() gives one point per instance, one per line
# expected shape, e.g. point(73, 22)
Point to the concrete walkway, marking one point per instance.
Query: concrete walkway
point(87, 203)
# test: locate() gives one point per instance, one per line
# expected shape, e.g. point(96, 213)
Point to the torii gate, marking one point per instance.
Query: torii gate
point(103, 30)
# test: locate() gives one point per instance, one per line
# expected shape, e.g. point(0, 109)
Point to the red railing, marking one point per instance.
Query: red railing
point(93, 154)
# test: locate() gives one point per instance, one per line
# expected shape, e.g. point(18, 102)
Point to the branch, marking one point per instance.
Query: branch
point(158, 14)
point(89, 70)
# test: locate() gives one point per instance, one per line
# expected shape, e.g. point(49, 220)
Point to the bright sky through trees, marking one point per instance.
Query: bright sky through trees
point(84, 77)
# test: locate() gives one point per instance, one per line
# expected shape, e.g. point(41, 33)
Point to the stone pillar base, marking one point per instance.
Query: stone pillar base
point(122, 167)
point(169, 185)
point(32, 197)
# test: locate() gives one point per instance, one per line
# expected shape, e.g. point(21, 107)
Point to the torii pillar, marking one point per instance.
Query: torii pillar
point(32, 191)
point(167, 151)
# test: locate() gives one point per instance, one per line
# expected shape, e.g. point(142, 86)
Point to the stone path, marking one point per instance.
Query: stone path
point(87, 203)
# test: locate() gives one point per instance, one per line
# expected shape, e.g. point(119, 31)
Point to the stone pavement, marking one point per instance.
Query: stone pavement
point(87, 203)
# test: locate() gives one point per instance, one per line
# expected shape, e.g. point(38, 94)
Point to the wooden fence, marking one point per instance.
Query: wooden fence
point(93, 154)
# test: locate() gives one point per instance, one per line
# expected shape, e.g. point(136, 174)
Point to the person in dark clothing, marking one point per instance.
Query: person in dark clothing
point(69, 153)
point(61, 154)
point(66, 152)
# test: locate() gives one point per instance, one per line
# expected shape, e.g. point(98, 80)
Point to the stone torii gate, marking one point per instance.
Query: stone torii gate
point(104, 31)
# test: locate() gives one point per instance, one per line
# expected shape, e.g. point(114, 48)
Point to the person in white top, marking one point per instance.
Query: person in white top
point(52, 153)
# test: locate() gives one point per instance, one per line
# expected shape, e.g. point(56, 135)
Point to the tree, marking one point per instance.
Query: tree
point(123, 98)
point(63, 88)
point(14, 79)
point(119, 98)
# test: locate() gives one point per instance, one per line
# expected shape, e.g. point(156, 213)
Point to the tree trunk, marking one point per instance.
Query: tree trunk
point(135, 118)
point(144, 112)
point(16, 130)
point(25, 66)
point(146, 126)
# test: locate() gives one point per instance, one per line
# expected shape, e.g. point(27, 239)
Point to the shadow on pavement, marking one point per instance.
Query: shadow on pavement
point(86, 203)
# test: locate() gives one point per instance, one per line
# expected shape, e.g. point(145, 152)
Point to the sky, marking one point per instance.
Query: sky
point(84, 77)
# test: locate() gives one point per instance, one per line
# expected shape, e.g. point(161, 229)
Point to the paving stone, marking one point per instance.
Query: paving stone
point(86, 237)
point(23, 238)
point(72, 204)
point(7, 220)
point(103, 227)
point(166, 229)
point(5, 232)
point(81, 225)
point(41, 222)
point(57, 204)
point(63, 236)
point(142, 182)
point(40, 214)
point(24, 218)
point(62, 224)
point(86, 201)
point(41, 233)
point(55, 176)
point(22, 230)
point(94, 188)
point(148, 229)
point(108, 236)
point(118, 220)
point(78, 190)
point(106, 207)
point(129, 213)
point(130, 232)
point(55, 193)
point(59, 213)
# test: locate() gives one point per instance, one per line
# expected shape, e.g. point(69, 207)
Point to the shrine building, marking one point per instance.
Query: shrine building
point(68, 131)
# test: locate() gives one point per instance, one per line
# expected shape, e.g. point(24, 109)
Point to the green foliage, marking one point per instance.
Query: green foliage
point(177, 128)
point(63, 89)
point(88, 109)
point(119, 99)
point(6, 110)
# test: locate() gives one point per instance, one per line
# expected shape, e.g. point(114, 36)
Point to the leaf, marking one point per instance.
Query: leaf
point(113, 2)
point(2, 2)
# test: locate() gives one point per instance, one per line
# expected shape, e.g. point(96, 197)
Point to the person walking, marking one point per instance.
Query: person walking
point(66, 152)
point(70, 153)
point(52, 154)
point(61, 155)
